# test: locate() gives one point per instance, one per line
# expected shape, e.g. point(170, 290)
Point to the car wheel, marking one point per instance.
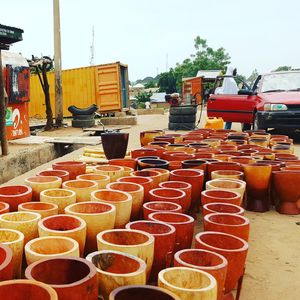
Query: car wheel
point(246, 126)
point(256, 125)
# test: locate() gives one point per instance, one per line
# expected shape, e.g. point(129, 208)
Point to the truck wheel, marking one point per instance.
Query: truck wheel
point(83, 117)
point(74, 110)
point(182, 118)
point(181, 126)
point(49, 65)
point(183, 110)
point(83, 123)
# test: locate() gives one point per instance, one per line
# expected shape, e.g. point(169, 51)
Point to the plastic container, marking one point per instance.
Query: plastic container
point(214, 123)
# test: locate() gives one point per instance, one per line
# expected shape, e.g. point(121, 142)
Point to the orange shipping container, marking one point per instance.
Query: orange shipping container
point(106, 86)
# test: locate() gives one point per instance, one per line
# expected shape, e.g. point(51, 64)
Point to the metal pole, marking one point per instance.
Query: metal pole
point(4, 147)
point(57, 63)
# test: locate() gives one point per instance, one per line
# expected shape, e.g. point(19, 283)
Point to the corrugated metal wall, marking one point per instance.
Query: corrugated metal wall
point(80, 88)
point(108, 85)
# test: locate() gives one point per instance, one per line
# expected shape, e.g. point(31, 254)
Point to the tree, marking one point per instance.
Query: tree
point(143, 97)
point(44, 65)
point(205, 58)
point(241, 77)
point(283, 68)
point(208, 59)
point(150, 84)
point(253, 76)
point(167, 82)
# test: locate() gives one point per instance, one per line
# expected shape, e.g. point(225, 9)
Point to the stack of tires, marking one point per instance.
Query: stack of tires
point(182, 117)
point(83, 117)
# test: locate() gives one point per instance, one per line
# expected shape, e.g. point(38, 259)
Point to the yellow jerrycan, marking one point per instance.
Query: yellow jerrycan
point(214, 123)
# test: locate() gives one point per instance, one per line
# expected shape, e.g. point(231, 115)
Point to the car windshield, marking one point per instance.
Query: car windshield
point(280, 82)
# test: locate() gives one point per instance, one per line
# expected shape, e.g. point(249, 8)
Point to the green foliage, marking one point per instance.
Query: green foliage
point(253, 76)
point(205, 58)
point(167, 82)
point(143, 97)
point(141, 105)
point(283, 68)
point(147, 80)
point(240, 78)
point(150, 84)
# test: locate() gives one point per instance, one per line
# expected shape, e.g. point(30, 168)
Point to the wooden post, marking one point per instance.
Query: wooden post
point(4, 147)
point(57, 64)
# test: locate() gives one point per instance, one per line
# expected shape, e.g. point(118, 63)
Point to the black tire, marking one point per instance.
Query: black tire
point(83, 117)
point(183, 110)
point(181, 126)
point(83, 123)
point(49, 66)
point(182, 118)
point(74, 110)
point(246, 126)
point(256, 125)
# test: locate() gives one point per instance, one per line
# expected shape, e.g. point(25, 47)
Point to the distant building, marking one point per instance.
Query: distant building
point(138, 86)
point(158, 97)
point(152, 90)
point(158, 100)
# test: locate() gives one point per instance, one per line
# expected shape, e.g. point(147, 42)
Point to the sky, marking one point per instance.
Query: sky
point(152, 36)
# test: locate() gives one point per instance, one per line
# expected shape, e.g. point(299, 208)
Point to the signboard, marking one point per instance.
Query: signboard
point(17, 121)
point(9, 35)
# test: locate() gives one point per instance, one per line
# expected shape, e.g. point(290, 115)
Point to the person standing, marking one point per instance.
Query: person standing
point(229, 87)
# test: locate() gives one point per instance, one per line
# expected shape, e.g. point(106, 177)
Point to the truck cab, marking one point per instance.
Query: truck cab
point(273, 101)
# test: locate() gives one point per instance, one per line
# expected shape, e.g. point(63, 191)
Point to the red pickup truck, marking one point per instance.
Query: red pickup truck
point(273, 101)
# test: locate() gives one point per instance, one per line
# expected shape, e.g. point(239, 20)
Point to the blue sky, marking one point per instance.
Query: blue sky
point(257, 34)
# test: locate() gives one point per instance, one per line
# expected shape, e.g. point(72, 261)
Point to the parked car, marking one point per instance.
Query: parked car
point(273, 101)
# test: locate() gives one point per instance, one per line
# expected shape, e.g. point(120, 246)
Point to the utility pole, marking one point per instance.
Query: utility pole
point(57, 64)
